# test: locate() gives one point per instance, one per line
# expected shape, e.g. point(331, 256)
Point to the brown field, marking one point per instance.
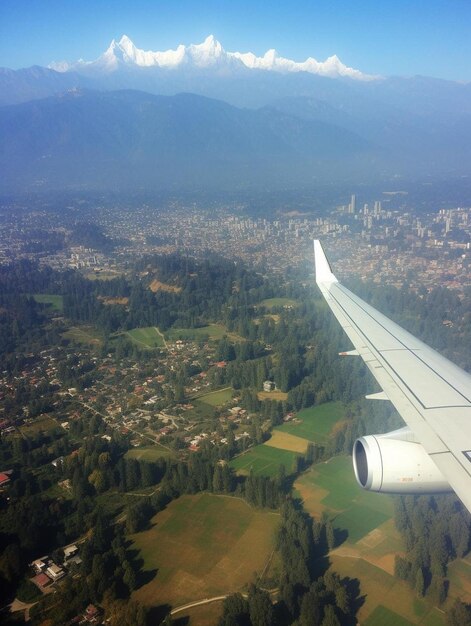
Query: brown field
point(379, 547)
point(272, 395)
point(206, 615)
point(204, 546)
point(311, 498)
point(285, 441)
point(382, 589)
point(156, 285)
point(109, 300)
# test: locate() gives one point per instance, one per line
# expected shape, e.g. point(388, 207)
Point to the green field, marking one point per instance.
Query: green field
point(316, 423)
point(270, 303)
point(264, 460)
point(385, 617)
point(83, 334)
point(42, 423)
point(146, 337)
point(55, 302)
point(356, 510)
point(202, 546)
point(148, 453)
point(213, 331)
point(216, 398)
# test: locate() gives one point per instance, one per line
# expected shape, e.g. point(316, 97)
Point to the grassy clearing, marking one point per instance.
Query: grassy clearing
point(212, 331)
point(83, 334)
point(146, 337)
point(385, 595)
point(285, 441)
point(102, 275)
point(43, 423)
point(386, 617)
point(272, 395)
point(114, 301)
point(316, 423)
point(270, 303)
point(358, 511)
point(55, 302)
point(216, 398)
point(459, 574)
point(371, 545)
point(264, 460)
point(203, 546)
point(148, 453)
point(156, 285)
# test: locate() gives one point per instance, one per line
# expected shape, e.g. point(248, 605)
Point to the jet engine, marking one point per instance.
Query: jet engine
point(396, 463)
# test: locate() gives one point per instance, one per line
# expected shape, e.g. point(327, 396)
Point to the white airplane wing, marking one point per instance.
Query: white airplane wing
point(432, 395)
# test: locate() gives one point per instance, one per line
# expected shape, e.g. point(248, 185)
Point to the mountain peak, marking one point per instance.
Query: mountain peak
point(211, 54)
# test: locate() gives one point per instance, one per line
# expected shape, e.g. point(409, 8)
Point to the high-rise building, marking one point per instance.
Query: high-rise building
point(352, 204)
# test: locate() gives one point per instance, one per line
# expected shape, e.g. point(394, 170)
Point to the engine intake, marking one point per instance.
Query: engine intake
point(392, 463)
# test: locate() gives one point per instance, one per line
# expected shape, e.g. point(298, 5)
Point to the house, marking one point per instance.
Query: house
point(4, 479)
point(70, 551)
point(269, 385)
point(55, 572)
point(39, 565)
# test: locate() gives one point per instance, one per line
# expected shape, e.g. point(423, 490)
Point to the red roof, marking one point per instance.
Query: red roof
point(42, 580)
point(4, 478)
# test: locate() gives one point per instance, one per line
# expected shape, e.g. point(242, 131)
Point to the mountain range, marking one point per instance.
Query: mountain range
point(199, 115)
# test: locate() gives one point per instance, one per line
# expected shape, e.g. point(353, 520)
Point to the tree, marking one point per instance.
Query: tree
point(459, 614)
point(330, 534)
point(402, 568)
point(330, 618)
point(261, 609)
point(419, 582)
point(235, 611)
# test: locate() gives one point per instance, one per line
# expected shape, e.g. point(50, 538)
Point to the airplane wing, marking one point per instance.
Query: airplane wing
point(432, 395)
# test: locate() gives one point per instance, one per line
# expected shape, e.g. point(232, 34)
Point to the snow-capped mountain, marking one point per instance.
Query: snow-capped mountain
point(209, 54)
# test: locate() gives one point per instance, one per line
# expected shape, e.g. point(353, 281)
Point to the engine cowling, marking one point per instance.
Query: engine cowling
point(392, 463)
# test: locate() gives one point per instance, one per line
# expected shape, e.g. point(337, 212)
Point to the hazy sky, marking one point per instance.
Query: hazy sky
point(389, 37)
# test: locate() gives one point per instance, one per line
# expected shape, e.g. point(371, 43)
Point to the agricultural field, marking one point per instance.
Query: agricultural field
point(148, 453)
point(213, 331)
point(285, 441)
point(388, 600)
point(146, 337)
point(332, 486)
point(216, 398)
point(280, 396)
point(53, 302)
point(316, 423)
point(459, 575)
point(83, 334)
point(368, 550)
point(271, 303)
point(265, 460)
point(203, 546)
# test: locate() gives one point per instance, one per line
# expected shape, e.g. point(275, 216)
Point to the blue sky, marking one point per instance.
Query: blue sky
point(389, 37)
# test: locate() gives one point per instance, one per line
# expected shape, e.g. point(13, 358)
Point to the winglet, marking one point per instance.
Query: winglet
point(323, 271)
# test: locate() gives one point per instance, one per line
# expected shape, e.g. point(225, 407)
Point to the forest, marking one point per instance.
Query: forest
point(296, 347)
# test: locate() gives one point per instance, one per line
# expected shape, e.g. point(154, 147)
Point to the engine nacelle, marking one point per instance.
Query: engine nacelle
point(395, 463)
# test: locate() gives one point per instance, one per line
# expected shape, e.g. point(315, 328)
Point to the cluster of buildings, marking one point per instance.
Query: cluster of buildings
point(376, 231)
point(47, 571)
